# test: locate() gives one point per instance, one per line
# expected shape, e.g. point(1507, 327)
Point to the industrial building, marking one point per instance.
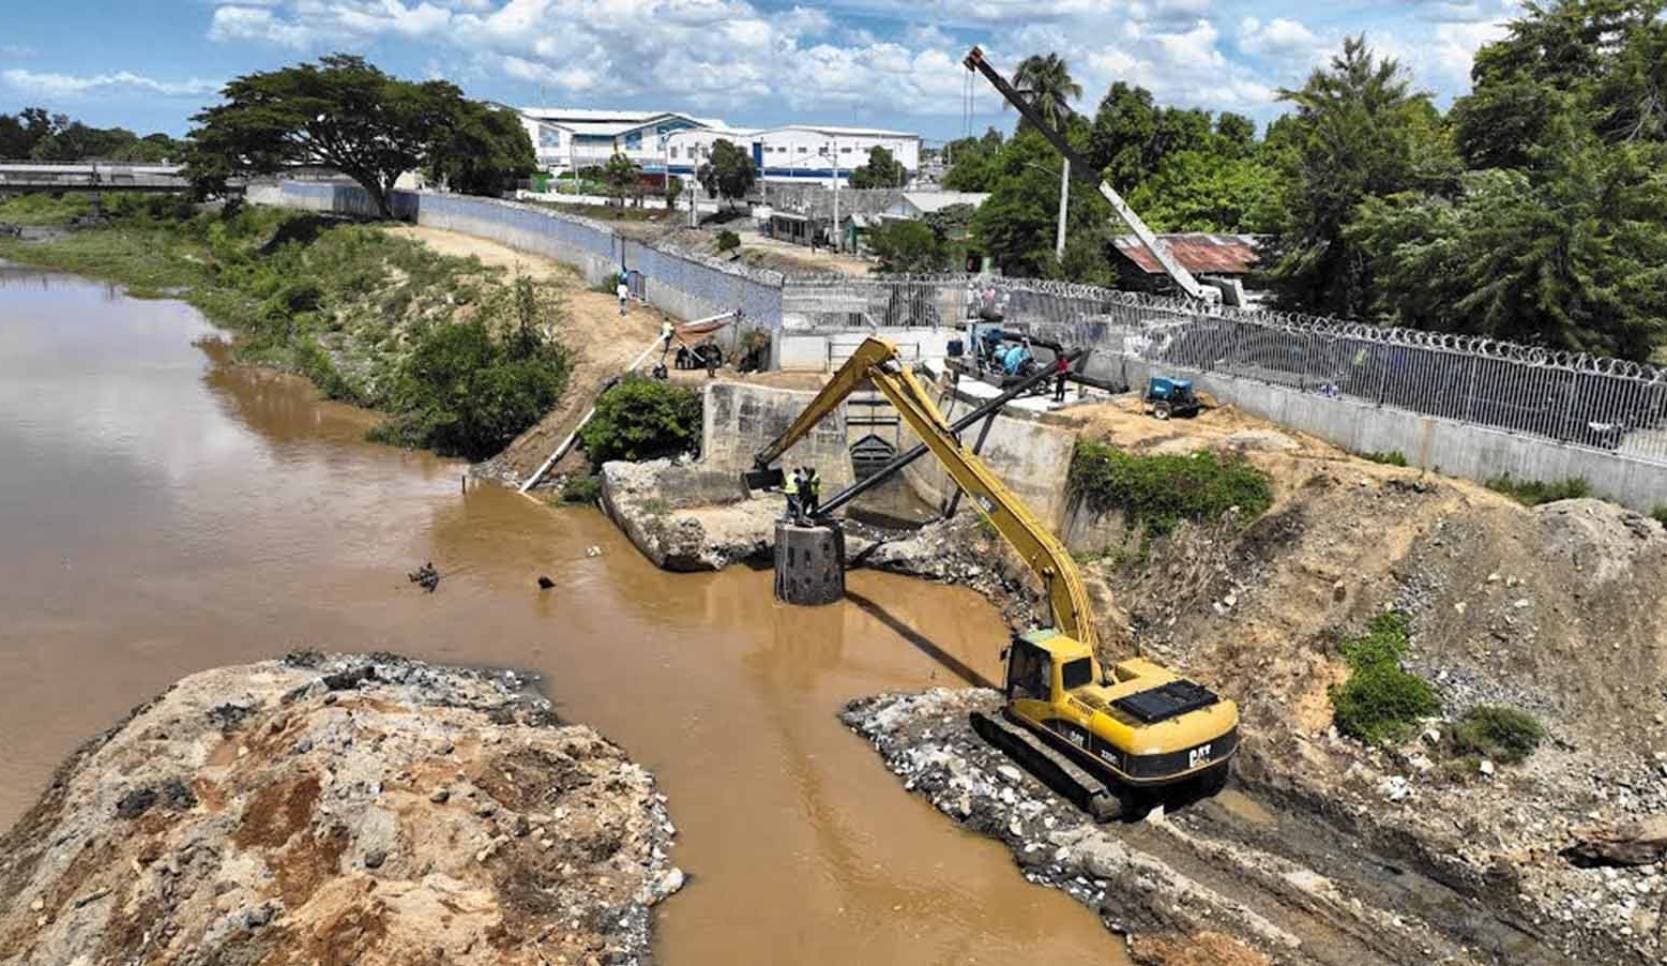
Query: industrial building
point(568, 138)
point(796, 152)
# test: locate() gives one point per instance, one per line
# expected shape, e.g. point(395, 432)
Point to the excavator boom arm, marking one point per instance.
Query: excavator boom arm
point(875, 361)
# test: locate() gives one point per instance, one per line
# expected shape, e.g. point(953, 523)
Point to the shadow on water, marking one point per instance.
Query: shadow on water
point(920, 641)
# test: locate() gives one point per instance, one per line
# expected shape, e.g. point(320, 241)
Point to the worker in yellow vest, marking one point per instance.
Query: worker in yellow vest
point(790, 489)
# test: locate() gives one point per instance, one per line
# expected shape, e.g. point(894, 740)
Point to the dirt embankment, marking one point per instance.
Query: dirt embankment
point(1556, 610)
point(348, 809)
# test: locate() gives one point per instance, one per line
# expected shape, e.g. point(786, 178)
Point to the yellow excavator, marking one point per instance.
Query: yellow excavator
point(1097, 735)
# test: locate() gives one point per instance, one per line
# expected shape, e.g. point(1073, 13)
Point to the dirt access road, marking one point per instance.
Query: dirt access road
point(603, 343)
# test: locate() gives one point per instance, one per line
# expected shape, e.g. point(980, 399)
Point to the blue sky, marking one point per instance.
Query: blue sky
point(150, 64)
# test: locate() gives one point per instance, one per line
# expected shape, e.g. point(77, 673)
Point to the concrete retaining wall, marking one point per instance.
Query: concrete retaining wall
point(739, 420)
point(1444, 445)
point(1033, 459)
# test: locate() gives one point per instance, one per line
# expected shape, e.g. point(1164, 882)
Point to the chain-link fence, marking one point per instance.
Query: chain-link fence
point(1600, 403)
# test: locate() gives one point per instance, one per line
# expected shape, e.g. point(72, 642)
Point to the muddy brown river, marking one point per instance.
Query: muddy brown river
point(163, 511)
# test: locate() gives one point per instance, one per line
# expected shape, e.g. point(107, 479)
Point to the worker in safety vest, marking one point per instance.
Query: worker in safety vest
point(790, 488)
point(810, 496)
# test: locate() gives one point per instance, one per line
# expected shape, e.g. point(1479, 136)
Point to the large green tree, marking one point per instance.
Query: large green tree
point(487, 152)
point(1358, 131)
point(972, 162)
point(883, 170)
point(341, 112)
point(1045, 81)
point(907, 247)
point(729, 173)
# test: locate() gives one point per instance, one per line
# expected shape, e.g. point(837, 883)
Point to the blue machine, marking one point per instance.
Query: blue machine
point(1166, 397)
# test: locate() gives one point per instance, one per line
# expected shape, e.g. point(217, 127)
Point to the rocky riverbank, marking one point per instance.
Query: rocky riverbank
point(345, 808)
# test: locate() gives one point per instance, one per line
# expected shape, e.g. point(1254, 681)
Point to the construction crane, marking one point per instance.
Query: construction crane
point(1088, 173)
point(1096, 735)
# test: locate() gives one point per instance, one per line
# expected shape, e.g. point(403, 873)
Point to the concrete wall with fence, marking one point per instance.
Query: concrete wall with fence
point(1467, 406)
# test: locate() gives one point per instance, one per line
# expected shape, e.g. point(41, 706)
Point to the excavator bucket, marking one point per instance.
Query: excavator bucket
point(766, 478)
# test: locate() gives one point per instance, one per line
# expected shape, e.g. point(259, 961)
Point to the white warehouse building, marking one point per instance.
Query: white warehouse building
point(565, 138)
point(795, 152)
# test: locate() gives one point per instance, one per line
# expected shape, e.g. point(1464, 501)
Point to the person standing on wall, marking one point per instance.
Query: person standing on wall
point(790, 488)
point(1060, 368)
point(623, 289)
point(811, 497)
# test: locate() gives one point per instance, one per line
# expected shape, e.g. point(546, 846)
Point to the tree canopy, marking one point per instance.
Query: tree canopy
point(345, 113)
point(37, 135)
point(882, 171)
point(729, 173)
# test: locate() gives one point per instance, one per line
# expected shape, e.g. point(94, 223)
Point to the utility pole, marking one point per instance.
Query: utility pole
point(1064, 199)
point(839, 236)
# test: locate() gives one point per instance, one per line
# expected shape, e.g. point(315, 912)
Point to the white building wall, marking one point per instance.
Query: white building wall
point(796, 154)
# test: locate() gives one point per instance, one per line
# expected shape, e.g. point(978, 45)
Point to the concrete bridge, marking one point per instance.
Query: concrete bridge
point(25, 177)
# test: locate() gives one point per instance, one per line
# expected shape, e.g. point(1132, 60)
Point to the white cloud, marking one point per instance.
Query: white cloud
point(121, 82)
point(1279, 37)
point(259, 24)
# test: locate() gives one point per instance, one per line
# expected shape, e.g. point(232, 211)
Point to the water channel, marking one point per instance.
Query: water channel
point(163, 510)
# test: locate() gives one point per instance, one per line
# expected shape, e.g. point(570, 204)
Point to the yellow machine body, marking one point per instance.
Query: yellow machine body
point(1142, 723)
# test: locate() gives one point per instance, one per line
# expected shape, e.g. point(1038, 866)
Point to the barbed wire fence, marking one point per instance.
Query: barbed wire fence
point(1596, 402)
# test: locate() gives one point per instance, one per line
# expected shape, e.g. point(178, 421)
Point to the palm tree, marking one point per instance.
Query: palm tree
point(1047, 84)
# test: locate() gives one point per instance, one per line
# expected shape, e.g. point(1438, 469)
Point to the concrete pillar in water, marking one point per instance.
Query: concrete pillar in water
point(810, 563)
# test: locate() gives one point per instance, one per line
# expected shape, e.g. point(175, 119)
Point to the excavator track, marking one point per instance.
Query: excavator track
point(1090, 793)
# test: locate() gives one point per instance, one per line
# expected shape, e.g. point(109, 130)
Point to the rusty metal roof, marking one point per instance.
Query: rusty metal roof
point(1198, 252)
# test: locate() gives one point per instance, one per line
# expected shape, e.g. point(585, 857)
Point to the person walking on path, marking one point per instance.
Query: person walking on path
point(623, 290)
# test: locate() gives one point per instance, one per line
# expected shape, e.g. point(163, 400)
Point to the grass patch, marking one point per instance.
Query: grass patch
point(1498, 733)
point(1534, 493)
point(1157, 493)
point(1390, 458)
point(1380, 701)
point(43, 210)
point(642, 419)
point(582, 489)
point(370, 318)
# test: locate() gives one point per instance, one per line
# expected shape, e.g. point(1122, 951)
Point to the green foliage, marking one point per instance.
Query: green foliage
point(1205, 191)
point(1157, 493)
point(882, 171)
point(1534, 492)
point(343, 112)
point(1046, 83)
point(1016, 225)
point(753, 354)
point(729, 173)
point(674, 191)
point(1380, 701)
point(907, 247)
point(462, 392)
point(622, 176)
point(35, 134)
point(728, 241)
point(44, 209)
point(972, 162)
point(486, 151)
point(642, 419)
point(1660, 514)
point(1390, 458)
point(582, 489)
point(1498, 733)
point(1358, 131)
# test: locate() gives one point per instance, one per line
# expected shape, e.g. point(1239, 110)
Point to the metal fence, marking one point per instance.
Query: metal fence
point(1594, 402)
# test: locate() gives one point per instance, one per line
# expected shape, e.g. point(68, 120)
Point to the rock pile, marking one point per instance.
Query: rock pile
point(344, 809)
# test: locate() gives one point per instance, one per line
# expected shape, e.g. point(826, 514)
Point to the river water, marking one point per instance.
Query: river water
point(163, 510)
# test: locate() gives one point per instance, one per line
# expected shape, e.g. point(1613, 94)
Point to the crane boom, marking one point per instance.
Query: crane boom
point(1089, 174)
point(875, 361)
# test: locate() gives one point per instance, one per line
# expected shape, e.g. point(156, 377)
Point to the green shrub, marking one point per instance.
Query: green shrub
point(1660, 514)
point(1534, 493)
point(1158, 492)
point(1380, 701)
point(582, 489)
point(642, 419)
point(462, 393)
point(1498, 733)
point(1391, 458)
point(728, 241)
